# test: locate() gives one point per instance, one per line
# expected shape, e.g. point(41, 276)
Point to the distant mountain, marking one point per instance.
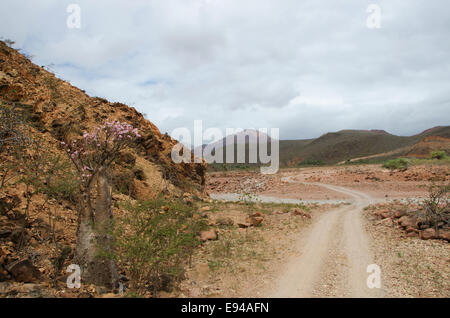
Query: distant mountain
point(338, 147)
point(348, 144)
point(245, 136)
point(441, 131)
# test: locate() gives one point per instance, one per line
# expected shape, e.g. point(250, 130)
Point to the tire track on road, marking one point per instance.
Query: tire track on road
point(334, 254)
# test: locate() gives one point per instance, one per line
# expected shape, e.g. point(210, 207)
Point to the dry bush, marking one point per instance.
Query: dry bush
point(154, 242)
point(14, 140)
point(122, 181)
point(436, 207)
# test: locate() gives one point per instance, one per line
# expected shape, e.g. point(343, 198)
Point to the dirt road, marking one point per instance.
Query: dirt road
point(333, 255)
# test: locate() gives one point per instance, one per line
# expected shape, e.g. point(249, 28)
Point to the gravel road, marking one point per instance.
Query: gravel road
point(333, 255)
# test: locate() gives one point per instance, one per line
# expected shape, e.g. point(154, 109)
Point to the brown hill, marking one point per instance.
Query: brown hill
point(423, 148)
point(353, 145)
point(61, 111)
point(47, 217)
point(349, 144)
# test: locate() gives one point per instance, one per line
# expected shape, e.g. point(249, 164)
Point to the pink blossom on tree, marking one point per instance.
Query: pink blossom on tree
point(100, 147)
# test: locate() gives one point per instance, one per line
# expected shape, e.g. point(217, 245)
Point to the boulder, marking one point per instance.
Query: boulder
point(410, 229)
point(428, 234)
point(24, 271)
point(255, 221)
point(399, 214)
point(210, 235)
point(205, 209)
point(5, 233)
point(423, 226)
point(444, 234)
point(385, 215)
point(225, 221)
point(301, 213)
point(380, 212)
point(386, 222)
point(407, 221)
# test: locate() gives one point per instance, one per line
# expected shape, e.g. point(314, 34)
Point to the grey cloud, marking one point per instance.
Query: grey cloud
point(241, 63)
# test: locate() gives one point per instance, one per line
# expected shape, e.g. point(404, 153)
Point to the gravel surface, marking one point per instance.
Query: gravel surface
point(410, 267)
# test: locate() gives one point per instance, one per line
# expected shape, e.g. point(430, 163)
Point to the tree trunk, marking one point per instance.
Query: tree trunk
point(95, 246)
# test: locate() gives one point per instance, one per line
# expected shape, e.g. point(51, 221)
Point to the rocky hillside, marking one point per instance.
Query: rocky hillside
point(348, 144)
point(61, 112)
point(39, 192)
point(423, 148)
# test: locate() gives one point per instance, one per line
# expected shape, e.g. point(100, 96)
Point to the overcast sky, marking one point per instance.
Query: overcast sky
point(306, 67)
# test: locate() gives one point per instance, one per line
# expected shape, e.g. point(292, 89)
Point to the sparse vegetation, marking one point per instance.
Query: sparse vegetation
point(368, 161)
point(397, 164)
point(436, 206)
point(155, 240)
point(249, 199)
point(429, 161)
point(30, 161)
point(123, 182)
point(46, 172)
point(14, 139)
point(312, 162)
point(8, 42)
point(439, 155)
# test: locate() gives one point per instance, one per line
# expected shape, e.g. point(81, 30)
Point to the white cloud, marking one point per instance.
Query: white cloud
point(307, 67)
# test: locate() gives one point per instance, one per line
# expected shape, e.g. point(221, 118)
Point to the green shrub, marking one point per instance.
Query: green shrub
point(311, 162)
point(123, 182)
point(64, 187)
point(396, 164)
point(439, 154)
point(155, 240)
